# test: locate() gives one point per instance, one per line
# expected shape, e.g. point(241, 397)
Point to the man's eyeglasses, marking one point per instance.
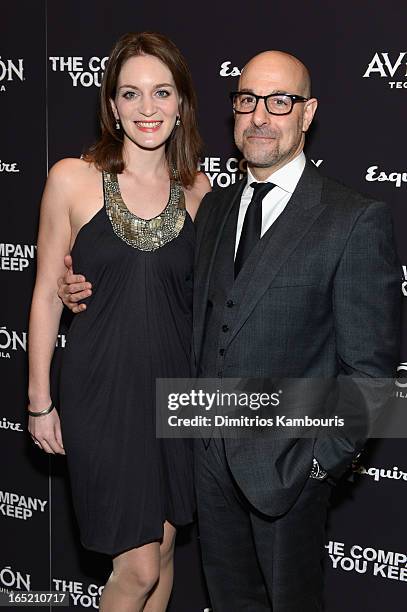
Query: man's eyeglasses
point(276, 104)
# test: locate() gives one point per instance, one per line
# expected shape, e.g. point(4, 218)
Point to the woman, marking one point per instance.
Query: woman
point(125, 212)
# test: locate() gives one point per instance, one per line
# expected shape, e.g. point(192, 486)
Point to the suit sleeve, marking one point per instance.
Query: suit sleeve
point(366, 307)
point(201, 219)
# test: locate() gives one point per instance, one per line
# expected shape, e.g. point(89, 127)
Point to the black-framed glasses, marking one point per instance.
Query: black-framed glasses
point(276, 103)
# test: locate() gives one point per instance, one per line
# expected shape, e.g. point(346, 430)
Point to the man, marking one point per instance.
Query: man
point(294, 278)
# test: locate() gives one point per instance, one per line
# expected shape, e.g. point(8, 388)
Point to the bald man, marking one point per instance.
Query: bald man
point(296, 276)
point(289, 267)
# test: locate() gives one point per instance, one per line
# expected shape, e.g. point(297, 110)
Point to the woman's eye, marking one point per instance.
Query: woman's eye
point(129, 95)
point(162, 93)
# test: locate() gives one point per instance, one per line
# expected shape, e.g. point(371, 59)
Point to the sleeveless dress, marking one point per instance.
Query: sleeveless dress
point(137, 327)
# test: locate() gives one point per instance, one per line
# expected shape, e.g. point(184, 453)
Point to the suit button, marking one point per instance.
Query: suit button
point(230, 303)
point(225, 328)
point(221, 351)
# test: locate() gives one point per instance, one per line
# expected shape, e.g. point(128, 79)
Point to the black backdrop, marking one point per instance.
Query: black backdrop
point(51, 60)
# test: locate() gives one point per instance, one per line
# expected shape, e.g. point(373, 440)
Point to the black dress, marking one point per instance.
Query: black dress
point(137, 327)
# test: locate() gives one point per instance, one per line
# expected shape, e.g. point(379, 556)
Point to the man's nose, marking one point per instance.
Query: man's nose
point(260, 115)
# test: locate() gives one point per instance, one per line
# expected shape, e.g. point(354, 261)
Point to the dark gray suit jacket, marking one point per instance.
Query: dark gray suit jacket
point(322, 299)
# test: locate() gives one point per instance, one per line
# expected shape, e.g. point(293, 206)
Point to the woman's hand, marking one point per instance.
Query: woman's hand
point(45, 432)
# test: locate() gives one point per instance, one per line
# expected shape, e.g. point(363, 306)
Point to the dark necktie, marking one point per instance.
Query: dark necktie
point(251, 230)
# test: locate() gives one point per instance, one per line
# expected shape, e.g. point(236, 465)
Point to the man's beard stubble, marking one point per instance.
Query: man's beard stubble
point(263, 158)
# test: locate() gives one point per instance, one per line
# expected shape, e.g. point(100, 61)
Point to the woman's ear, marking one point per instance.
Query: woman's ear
point(114, 109)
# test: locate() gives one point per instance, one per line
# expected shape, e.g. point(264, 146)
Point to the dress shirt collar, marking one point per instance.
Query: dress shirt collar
point(286, 177)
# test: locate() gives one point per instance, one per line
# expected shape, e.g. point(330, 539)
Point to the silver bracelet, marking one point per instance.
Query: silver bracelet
point(41, 412)
point(317, 472)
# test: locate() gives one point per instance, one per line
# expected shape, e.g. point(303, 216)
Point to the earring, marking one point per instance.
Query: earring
point(178, 122)
point(117, 124)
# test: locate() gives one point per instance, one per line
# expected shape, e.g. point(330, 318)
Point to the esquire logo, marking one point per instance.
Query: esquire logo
point(85, 73)
point(8, 167)
point(12, 341)
point(16, 257)
point(374, 173)
point(227, 70)
point(6, 424)
point(379, 473)
point(10, 70)
point(393, 68)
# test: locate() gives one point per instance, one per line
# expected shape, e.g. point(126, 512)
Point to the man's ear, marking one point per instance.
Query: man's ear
point(310, 108)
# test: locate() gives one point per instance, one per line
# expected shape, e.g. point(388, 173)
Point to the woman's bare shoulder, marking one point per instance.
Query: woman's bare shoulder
point(72, 180)
point(71, 169)
point(201, 184)
point(196, 192)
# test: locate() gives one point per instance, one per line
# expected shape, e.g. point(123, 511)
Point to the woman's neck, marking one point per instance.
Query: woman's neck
point(146, 163)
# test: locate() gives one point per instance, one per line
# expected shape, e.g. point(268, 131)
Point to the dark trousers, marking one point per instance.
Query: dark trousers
point(254, 563)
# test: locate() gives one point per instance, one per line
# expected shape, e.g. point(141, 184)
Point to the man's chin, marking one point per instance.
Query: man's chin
point(262, 163)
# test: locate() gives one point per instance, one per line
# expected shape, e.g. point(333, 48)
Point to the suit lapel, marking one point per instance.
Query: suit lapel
point(274, 249)
point(209, 242)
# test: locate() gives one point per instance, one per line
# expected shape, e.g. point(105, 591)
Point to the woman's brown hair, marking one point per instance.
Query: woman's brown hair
point(184, 145)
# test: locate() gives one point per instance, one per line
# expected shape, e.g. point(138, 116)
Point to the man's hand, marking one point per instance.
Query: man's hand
point(72, 288)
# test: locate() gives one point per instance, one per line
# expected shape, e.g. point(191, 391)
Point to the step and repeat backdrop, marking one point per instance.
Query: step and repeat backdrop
point(52, 57)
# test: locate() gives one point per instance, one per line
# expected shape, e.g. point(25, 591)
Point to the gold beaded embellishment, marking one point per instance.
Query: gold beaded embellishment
point(144, 234)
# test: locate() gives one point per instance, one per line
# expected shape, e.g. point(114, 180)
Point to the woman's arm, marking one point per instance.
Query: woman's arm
point(195, 194)
point(53, 242)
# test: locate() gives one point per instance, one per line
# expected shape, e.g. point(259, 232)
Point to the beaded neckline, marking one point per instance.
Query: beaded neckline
point(144, 234)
